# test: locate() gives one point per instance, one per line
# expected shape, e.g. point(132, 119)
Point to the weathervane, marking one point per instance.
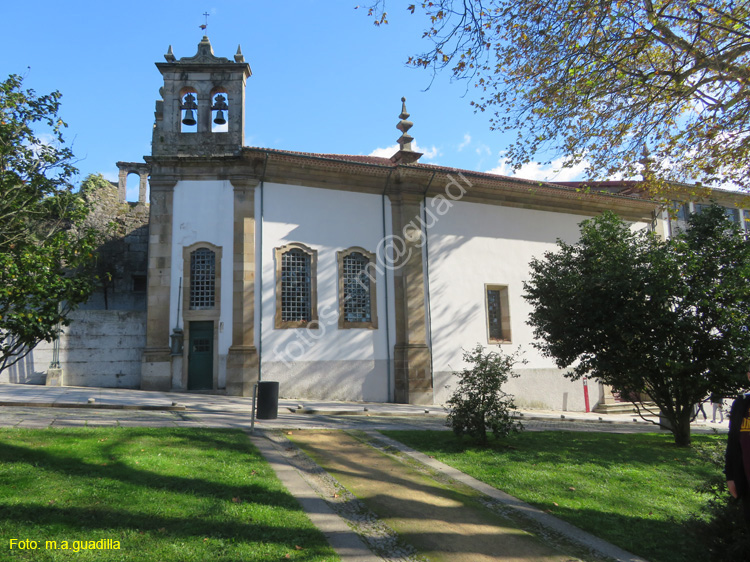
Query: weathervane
point(205, 25)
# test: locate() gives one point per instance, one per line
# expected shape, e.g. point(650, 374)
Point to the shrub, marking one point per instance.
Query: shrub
point(479, 403)
point(719, 530)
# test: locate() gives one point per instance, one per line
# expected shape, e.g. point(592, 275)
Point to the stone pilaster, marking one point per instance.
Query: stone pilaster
point(412, 356)
point(156, 370)
point(242, 361)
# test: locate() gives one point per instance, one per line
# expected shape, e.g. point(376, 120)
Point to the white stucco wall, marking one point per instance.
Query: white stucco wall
point(203, 211)
point(473, 245)
point(326, 363)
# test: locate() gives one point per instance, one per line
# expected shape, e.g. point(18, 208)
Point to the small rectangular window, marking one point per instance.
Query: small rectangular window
point(498, 314)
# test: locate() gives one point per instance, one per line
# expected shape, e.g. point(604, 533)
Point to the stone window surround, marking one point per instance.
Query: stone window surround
point(504, 313)
point(343, 323)
point(280, 324)
point(212, 314)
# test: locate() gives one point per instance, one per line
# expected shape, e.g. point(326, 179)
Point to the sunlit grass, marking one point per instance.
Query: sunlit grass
point(633, 490)
point(164, 494)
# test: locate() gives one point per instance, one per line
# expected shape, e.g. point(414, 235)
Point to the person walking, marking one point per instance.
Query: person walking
point(737, 460)
point(717, 402)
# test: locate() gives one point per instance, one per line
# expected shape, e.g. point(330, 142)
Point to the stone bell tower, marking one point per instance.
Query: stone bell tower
point(198, 134)
point(202, 110)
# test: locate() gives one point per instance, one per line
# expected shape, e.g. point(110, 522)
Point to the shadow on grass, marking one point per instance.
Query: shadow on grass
point(142, 500)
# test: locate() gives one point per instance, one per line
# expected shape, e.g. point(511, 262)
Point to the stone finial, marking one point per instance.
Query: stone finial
point(170, 55)
point(405, 154)
point(405, 140)
point(239, 57)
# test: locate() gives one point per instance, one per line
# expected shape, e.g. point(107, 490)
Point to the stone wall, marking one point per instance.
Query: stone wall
point(100, 348)
point(123, 254)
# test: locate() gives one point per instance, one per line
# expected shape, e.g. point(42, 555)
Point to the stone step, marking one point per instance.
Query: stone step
point(624, 408)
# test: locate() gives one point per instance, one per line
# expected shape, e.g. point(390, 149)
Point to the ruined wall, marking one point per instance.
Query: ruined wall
point(123, 258)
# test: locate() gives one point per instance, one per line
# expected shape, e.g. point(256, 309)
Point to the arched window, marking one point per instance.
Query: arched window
point(202, 279)
point(357, 298)
point(296, 287)
point(189, 112)
point(219, 112)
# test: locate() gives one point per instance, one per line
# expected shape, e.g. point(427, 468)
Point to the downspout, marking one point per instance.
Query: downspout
point(260, 288)
point(428, 304)
point(387, 301)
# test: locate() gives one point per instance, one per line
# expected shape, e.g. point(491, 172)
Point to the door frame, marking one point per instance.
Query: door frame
point(212, 314)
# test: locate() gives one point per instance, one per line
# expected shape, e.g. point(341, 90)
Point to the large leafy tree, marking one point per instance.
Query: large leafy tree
point(45, 257)
point(605, 81)
point(662, 321)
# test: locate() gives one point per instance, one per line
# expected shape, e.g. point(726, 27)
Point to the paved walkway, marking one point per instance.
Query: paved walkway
point(37, 406)
point(371, 473)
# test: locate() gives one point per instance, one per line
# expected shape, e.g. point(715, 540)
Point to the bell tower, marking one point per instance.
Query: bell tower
point(202, 110)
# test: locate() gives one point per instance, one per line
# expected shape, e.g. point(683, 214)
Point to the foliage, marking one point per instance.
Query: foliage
point(634, 490)
point(598, 81)
point(719, 528)
point(479, 403)
point(94, 182)
point(44, 259)
point(667, 319)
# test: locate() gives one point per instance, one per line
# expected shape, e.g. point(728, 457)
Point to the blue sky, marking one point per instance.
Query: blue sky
point(325, 79)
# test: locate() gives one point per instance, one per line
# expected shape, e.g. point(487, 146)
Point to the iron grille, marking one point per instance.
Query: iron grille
point(356, 288)
point(493, 314)
point(202, 279)
point(295, 286)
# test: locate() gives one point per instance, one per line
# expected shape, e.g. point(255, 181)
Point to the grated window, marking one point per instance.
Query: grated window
point(356, 288)
point(295, 286)
point(202, 279)
point(493, 314)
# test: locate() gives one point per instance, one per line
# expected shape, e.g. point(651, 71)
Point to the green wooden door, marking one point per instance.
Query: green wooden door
point(201, 356)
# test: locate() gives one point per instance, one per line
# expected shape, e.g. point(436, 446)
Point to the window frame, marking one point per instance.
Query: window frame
point(312, 323)
point(506, 333)
point(344, 324)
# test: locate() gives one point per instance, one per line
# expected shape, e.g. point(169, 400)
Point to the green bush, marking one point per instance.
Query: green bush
point(719, 530)
point(479, 403)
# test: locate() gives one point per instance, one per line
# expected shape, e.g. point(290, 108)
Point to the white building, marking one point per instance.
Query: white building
point(343, 277)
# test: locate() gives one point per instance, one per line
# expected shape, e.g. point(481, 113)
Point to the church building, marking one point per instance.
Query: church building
point(342, 277)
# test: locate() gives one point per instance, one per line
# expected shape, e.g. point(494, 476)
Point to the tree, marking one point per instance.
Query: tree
point(45, 260)
point(659, 320)
point(479, 403)
point(602, 82)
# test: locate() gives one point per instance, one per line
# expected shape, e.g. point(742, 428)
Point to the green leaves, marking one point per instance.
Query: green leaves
point(663, 318)
point(45, 255)
point(479, 403)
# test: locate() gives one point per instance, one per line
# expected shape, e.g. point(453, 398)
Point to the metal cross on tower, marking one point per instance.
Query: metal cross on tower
point(205, 25)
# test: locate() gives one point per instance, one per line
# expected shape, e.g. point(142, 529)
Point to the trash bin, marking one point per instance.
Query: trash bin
point(268, 400)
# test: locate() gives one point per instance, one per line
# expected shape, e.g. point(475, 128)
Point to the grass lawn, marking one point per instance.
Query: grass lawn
point(633, 490)
point(163, 494)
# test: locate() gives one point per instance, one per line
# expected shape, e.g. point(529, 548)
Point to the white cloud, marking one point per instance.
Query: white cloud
point(465, 143)
point(483, 150)
point(535, 171)
point(387, 152)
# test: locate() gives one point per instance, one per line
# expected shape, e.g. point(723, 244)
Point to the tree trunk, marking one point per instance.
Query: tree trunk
point(681, 428)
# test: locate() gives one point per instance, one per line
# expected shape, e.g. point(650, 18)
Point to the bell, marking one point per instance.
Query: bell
point(189, 118)
point(220, 118)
